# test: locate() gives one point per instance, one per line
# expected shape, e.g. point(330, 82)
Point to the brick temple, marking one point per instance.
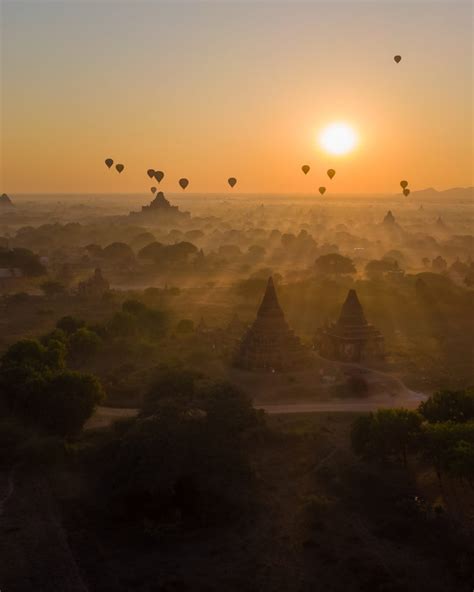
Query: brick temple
point(269, 344)
point(352, 338)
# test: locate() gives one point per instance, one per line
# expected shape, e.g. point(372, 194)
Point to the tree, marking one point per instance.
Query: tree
point(188, 454)
point(180, 252)
point(228, 408)
point(53, 288)
point(173, 384)
point(378, 267)
point(386, 434)
point(185, 326)
point(447, 405)
point(67, 402)
point(122, 324)
point(31, 354)
point(152, 251)
point(256, 253)
point(69, 324)
point(24, 259)
point(229, 251)
point(118, 252)
point(36, 387)
point(334, 263)
point(84, 343)
point(441, 446)
point(134, 307)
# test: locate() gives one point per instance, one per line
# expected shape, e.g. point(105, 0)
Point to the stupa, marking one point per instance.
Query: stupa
point(94, 287)
point(5, 202)
point(352, 338)
point(269, 344)
point(389, 219)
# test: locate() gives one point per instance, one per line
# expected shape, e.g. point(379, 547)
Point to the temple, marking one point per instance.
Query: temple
point(5, 202)
point(269, 344)
point(389, 219)
point(160, 209)
point(94, 287)
point(352, 338)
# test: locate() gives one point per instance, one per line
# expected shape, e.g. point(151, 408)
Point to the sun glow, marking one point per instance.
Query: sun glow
point(338, 138)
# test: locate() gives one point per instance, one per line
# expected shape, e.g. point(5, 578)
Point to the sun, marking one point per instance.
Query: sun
point(338, 138)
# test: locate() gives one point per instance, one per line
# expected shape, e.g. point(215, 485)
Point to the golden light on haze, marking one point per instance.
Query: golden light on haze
point(338, 138)
point(253, 108)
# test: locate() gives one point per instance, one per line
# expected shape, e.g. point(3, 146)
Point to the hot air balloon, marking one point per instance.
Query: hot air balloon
point(232, 181)
point(305, 168)
point(331, 173)
point(397, 58)
point(183, 183)
point(403, 184)
point(153, 189)
point(109, 162)
point(159, 175)
point(322, 190)
point(150, 173)
point(406, 192)
point(119, 167)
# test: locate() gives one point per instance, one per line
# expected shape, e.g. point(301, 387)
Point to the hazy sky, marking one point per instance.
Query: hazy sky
point(209, 90)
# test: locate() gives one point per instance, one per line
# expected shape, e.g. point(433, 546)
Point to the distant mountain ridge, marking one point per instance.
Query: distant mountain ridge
point(455, 192)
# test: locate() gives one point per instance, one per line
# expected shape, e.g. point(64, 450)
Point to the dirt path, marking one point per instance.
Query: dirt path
point(104, 416)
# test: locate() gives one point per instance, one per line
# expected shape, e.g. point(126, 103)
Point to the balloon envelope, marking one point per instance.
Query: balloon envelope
point(119, 167)
point(153, 189)
point(159, 175)
point(232, 181)
point(406, 192)
point(109, 162)
point(403, 184)
point(331, 173)
point(184, 183)
point(398, 58)
point(150, 173)
point(322, 190)
point(305, 168)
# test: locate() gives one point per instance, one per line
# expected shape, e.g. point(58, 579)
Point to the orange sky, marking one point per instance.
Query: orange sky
point(212, 90)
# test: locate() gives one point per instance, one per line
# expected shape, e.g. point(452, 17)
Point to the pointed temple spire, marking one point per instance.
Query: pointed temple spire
point(269, 344)
point(270, 304)
point(352, 338)
point(352, 313)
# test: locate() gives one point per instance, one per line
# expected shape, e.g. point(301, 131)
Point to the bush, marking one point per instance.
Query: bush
point(84, 343)
point(386, 434)
point(447, 405)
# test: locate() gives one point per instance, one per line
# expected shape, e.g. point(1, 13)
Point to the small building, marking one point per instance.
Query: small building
point(94, 287)
point(352, 338)
point(269, 344)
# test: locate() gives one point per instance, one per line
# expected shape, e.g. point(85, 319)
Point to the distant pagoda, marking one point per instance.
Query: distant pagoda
point(389, 219)
point(160, 209)
point(5, 202)
point(269, 344)
point(94, 287)
point(352, 338)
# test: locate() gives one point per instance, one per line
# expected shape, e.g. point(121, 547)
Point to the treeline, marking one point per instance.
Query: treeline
point(23, 259)
point(40, 385)
point(440, 432)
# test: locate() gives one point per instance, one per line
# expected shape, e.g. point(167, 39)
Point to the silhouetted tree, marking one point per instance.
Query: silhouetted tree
point(447, 405)
point(334, 263)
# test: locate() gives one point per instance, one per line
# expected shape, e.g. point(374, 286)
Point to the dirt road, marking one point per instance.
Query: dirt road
point(104, 416)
